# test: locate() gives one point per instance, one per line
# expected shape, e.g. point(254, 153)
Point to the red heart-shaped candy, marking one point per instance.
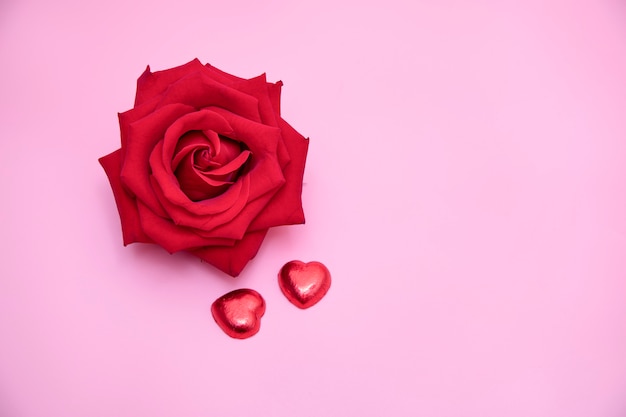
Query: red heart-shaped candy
point(239, 313)
point(304, 284)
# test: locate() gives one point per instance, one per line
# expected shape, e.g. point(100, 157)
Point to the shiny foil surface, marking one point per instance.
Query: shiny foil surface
point(304, 284)
point(239, 313)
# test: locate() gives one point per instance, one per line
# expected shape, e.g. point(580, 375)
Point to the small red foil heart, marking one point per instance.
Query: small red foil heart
point(304, 284)
point(239, 313)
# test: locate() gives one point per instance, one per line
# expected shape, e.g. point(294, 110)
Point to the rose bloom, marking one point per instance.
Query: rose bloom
point(206, 165)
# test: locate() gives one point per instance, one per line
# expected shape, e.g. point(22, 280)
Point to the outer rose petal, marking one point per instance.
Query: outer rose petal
point(141, 138)
point(286, 205)
point(259, 88)
point(232, 259)
point(151, 85)
point(273, 91)
point(199, 90)
point(171, 237)
point(223, 77)
point(256, 87)
point(126, 204)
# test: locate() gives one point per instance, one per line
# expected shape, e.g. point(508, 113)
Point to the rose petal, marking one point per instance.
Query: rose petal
point(255, 87)
point(249, 214)
point(258, 137)
point(222, 76)
point(171, 237)
point(199, 185)
point(283, 207)
point(262, 142)
point(267, 94)
point(186, 145)
point(234, 258)
point(126, 206)
point(286, 205)
point(232, 166)
point(200, 91)
point(142, 136)
point(205, 215)
point(150, 85)
point(169, 194)
point(196, 185)
point(274, 90)
point(203, 120)
point(227, 151)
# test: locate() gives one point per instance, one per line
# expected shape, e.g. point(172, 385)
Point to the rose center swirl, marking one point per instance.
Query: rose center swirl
point(206, 164)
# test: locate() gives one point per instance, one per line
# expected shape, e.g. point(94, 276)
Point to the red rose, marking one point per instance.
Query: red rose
point(206, 164)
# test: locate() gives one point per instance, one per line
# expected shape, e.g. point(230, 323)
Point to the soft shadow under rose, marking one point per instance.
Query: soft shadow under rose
point(206, 164)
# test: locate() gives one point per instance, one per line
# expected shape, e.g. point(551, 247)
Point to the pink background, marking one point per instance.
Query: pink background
point(465, 186)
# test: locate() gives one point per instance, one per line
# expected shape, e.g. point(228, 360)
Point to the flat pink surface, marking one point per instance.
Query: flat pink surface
point(466, 186)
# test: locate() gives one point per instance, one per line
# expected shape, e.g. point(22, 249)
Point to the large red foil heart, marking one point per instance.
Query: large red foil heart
point(239, 313)
point(304, 284)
